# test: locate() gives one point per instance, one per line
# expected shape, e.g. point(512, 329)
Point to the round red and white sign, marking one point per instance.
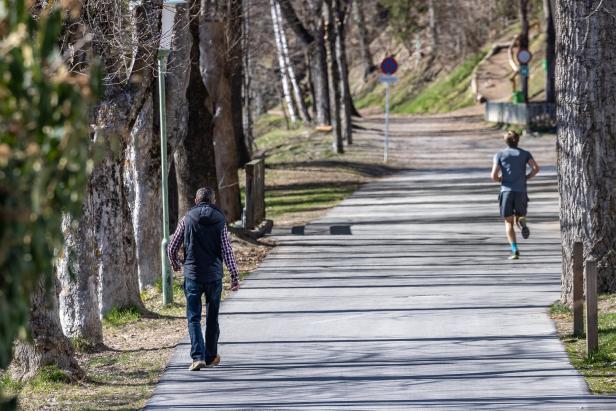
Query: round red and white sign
point(524, 56)
point(389, 65)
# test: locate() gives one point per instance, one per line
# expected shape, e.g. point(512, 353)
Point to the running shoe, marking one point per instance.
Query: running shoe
point(525, 230)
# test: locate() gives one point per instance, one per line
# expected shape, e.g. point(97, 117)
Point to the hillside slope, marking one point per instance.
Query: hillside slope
point(431, 86)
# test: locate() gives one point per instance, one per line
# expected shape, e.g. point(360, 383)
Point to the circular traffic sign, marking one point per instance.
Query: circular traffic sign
point(389, 65)
point(524, 56)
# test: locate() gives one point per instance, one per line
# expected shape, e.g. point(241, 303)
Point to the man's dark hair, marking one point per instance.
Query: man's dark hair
point(512, 139)
point(205, 195)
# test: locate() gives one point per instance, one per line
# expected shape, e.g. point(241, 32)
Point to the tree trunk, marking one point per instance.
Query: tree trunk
point(106, 231)
point(340, 11)
point(214, 71)
point(282, 64)
point(524, 42)
point(247, 91)
point(335, 77)
point(142, 167)
point(78, 298)
point(586, 98)
point(112, 223)
point(320, 75)
point(315, 44)
point(432, 26)
point(364, 42)
point(550, 52)
point(297, 92)
point(236, 55)
point(195, 163)
point(142, 183)
point(49, 346)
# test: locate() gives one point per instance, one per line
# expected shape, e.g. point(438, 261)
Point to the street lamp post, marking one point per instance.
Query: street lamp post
point(166, 34)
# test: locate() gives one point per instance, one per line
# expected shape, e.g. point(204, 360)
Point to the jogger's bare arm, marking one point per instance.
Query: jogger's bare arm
point(496, 177)
point(535, 169)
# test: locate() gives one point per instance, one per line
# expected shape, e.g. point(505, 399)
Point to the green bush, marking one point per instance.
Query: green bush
point(44, 147)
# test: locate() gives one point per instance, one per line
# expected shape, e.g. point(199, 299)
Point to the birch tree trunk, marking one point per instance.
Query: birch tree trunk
point(282, 65)
point(364, 42)
point(215, 74)
point(314, 41)
point(586, 98)
point(195, 162)
point(49, 346)
point(335, 77)
point(297, 93)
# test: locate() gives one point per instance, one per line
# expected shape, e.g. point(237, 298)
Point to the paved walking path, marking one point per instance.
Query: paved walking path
point(416, 308)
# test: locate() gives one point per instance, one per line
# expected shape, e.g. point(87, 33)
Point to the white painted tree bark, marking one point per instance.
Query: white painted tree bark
point(143, 190)
point(112, 223)
point(78, 297)
point(282, 65)
point(586, 147)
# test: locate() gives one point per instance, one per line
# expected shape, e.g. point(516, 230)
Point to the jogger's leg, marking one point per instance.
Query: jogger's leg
point(509, 229)
point(521, 220)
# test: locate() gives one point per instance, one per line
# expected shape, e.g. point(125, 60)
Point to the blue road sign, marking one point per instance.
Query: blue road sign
point(524, 70)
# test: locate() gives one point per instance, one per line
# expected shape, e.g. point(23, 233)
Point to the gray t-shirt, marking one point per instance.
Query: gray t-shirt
point(513, 162)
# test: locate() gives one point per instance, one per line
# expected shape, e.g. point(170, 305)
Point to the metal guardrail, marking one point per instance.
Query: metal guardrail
point(539, 116)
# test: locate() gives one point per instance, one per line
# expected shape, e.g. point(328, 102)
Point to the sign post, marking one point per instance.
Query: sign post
point(524, 57)
point(389, 66)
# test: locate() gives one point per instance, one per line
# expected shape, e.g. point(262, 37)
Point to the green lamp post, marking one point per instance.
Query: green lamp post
point(164, 49)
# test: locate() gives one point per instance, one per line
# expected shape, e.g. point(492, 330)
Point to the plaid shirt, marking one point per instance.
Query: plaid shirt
point(227, 251)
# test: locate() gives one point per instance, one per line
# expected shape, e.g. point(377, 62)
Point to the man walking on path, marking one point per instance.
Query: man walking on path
point(509, 169)
point(203, 232)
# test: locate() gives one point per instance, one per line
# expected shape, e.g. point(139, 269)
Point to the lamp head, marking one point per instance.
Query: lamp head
point(167, 20)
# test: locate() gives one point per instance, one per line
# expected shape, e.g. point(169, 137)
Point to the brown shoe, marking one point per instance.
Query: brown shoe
point(196, 365)
point(214, 362)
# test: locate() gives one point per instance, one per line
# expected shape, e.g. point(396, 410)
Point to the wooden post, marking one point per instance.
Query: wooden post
point(578, 289)
point(592, 323)
point(255, 193)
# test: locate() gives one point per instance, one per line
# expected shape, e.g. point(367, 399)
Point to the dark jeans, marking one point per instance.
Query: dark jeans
point(200, 350)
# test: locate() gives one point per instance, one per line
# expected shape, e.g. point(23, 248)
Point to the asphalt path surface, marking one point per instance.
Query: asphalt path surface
point(401, 297)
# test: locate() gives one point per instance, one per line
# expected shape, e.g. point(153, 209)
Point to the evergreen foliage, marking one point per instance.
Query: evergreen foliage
point(44, 149)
